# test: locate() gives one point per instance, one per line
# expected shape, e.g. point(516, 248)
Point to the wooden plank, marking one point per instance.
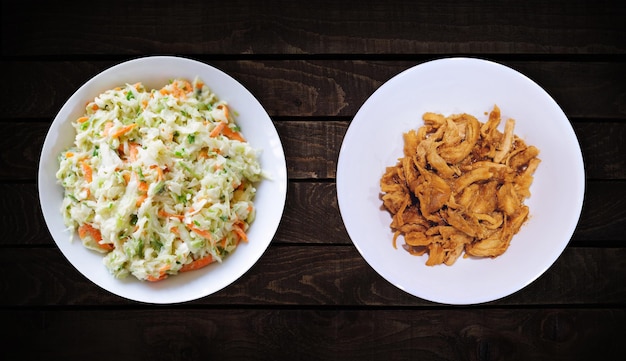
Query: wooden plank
point(312, 148)
point(312, 295)
point(312, 215)
point(314, 276)
point(603, 145)
point(284, 27)
point(319, 88)
point(20, 150)
point(327, 334)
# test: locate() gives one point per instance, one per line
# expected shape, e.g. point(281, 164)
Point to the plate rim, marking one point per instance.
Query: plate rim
point(278, 188)
point(342, 189)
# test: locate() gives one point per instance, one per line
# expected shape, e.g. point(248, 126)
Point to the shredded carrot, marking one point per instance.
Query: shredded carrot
point(199, 85)
point(197, 264)
point(225, 108)
point(87, 171)
point(133, 151)
point(87, 230)
point(82, 119)
point(95, 107)
point(162, 274)
point(165, 214)
point(143, 186)
point(144, 104)
point(159, 171)
point(203, 154)
point(217, 130)
point(141, 199)
point(123, 130)
point(231, 134)
point(107, 128)
point(187, 86)
point(181, 92)
point(156, 279)
point(224, 129)
point(69, 155)
point(177, 92)
point(240, 232)
point(200, 232)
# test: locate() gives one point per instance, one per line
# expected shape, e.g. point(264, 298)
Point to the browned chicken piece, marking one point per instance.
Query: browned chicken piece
point(460, 187)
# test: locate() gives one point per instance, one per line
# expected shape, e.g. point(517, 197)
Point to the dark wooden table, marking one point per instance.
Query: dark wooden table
point(312, 65)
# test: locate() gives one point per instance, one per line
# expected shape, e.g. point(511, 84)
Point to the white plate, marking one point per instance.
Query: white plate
point(258, 129)
point(461, 85)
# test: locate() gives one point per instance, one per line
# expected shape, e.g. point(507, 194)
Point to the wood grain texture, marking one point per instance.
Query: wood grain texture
point(306, 276)
point(270, 334)
point(326, 27)
point(312, 65)
point(20, 152)
point(319, 88)
point(312, 148)
point(312, 215)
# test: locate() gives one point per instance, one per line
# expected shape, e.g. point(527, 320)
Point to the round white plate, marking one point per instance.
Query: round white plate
point(448, 86)
point(256, 125)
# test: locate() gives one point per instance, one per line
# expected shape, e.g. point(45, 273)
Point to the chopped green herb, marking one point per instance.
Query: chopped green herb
point(156, 243)
point(159, 188)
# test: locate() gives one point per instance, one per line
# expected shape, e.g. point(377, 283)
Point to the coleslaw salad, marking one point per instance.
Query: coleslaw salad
point(160, 181)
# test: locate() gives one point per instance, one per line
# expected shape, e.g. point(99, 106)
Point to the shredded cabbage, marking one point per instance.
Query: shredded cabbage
point(160, 181)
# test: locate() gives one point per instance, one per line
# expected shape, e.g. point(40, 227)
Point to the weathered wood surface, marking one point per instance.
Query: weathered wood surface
point(312, 65)
point(321, 276)
point(312, 215)
point(312, 148)
point(592, 90)
point(310, 334)
point(326, 27)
